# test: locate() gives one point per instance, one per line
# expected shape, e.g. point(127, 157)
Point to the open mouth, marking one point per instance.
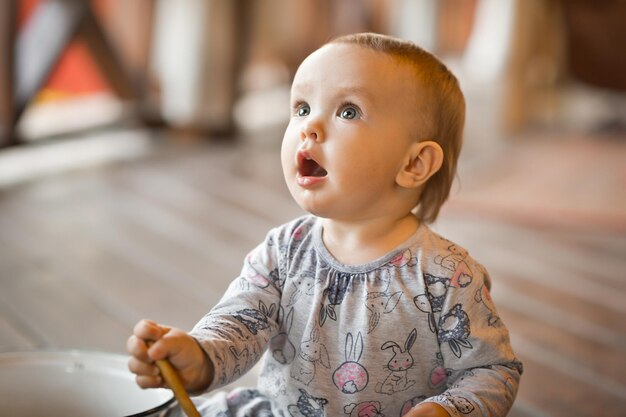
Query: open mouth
point(308, 167)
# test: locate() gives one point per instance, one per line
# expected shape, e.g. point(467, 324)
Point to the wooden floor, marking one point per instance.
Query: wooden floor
point(85, 254)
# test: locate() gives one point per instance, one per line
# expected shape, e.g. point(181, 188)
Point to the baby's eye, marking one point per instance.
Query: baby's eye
point(349, 112)
point(302, 110)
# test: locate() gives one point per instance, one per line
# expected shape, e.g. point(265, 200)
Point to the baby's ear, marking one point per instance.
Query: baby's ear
point(422, 160)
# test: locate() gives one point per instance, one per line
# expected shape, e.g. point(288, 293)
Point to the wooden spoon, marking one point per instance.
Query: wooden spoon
point(173, 381)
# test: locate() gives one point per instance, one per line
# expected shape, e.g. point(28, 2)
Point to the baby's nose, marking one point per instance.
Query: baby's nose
point(308, 134)
point(312, 131)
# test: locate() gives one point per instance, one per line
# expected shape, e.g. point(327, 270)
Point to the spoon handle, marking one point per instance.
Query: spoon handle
point(173, 381)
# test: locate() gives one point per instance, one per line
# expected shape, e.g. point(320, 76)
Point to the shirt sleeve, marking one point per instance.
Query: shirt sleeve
point(235, 333)
point(483, 372)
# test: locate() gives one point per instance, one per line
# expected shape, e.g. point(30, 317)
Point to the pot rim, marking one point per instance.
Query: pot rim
point(71, 352)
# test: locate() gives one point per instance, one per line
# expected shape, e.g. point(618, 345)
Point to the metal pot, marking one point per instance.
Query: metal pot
point(74, 383)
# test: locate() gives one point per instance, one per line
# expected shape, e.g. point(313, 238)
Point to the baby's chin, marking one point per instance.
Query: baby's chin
point(307, 202)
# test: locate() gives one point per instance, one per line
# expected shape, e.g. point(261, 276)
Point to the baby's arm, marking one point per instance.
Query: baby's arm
point(229, 339)
point(151, 342)
point(483, 372)
point(236, 332)
point(483, 392)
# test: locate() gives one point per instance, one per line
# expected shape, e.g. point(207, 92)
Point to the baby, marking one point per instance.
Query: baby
point(361, 309)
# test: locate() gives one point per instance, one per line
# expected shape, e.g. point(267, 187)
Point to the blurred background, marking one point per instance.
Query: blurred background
point(139, 163)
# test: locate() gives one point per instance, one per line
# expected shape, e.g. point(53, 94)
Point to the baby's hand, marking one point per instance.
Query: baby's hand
point(151, 341)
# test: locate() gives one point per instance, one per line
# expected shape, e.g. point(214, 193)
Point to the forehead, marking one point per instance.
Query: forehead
point(354, 68)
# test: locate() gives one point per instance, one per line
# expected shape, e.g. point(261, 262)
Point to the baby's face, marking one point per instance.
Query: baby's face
point(353, 114)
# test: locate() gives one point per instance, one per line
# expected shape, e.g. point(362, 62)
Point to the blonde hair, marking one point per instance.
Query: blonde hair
point(444, 106)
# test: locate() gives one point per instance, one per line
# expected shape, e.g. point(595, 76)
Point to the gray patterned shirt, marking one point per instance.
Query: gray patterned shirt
point(363, 340)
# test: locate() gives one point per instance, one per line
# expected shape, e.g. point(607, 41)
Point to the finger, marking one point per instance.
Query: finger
point(145, 381)
point(169, 345)
point(149, 330)
point(142, 368)
point(137, 347)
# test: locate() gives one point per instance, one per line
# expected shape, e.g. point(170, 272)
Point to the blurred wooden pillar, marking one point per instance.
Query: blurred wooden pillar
point(106, 57)
point(7, 72)
point(455, 19)
point(227, 31)
point(596, 34)
point(130, 27)
point(535, 64)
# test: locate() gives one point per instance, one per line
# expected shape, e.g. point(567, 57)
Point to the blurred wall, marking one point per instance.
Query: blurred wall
point(193, 61)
